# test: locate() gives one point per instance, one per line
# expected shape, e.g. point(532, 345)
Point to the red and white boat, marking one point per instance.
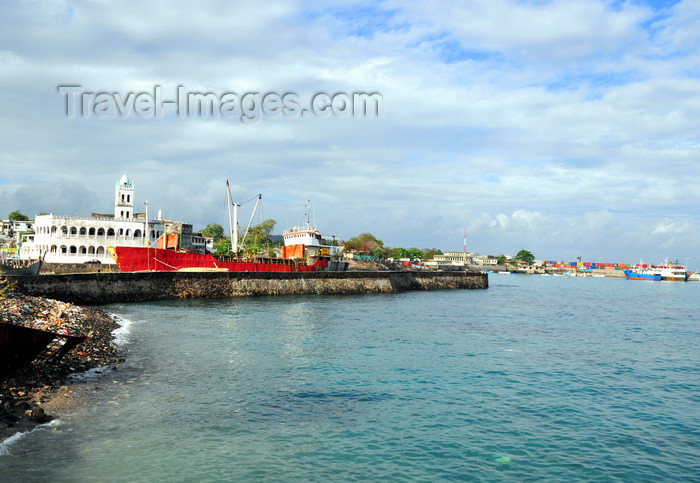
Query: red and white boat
point(309, 245)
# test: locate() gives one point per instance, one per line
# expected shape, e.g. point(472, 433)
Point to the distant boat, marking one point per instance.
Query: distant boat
point(668, 272)
point(694, 277)
point(642, 274)
point(674, 273)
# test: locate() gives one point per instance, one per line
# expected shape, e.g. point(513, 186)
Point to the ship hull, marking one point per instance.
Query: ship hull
point(630, 275)
point(141, 259)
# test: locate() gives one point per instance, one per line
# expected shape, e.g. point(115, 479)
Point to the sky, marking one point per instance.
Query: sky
point(567, 128)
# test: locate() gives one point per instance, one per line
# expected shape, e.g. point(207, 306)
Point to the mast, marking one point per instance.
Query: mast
point(251, 218)
point(234, 240)
point(145, 233)
point(230, 223)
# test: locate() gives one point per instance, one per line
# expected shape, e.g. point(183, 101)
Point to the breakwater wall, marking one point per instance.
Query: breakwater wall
point(102, 288)
point(61, 268)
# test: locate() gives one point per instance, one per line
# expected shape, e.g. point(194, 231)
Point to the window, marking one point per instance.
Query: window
point(100, 251)
point(91, 232)
point(137, 233)
point(101, 232)
point(82, 250)
point(110, 232)
point(64, 250)
point(73, 250)
point(73, 230)
point(83, 231)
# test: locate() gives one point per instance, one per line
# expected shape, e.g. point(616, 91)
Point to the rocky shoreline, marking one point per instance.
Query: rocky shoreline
point(39, 392)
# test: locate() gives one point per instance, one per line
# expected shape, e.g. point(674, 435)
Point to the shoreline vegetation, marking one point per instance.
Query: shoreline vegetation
point(42, 391)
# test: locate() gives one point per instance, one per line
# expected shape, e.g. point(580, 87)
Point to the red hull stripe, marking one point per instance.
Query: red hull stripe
point(137, 259)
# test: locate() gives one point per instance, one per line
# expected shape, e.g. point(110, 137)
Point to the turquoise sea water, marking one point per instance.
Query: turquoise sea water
point(536, 378)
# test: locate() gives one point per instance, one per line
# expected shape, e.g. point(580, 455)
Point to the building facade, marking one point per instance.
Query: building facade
point(450, 259)
point(69, 239)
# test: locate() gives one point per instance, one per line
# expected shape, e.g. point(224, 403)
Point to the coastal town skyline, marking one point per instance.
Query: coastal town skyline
point(567, 130)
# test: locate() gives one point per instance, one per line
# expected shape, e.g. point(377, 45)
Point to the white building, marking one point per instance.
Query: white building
point(9, 227)
point(484, 260)
point(202, 244)
point(66, 239)
point(450, 259)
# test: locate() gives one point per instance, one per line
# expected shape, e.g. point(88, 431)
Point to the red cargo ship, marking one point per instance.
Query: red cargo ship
point(304, 250)
point(141, 259)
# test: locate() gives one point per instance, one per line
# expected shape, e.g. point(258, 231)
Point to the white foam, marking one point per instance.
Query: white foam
point(5, 445)
point(121, 334)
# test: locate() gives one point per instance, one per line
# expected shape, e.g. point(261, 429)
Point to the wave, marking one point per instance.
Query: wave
point(121, 334)
point(5, 445)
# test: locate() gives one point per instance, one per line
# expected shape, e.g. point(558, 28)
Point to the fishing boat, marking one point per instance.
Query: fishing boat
point(20, 267)
point(304, 250)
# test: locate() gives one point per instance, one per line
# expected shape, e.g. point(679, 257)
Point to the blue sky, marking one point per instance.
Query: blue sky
point(568, 128)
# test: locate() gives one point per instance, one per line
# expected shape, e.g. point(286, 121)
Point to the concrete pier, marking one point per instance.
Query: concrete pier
point(102, 288)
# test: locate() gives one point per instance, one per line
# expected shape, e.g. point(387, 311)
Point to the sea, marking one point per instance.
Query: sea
point(534, 379)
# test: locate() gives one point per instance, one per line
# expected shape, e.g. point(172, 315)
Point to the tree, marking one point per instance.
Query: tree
point(18, 216)
point(415, 254)
point(215, 231)
point(365, 243)
point(223, 246)
point(430, 253)
point(501, 260)
point(525, 256)
point(260, 234)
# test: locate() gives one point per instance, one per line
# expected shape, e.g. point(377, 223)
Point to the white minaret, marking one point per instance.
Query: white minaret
point(124, 199)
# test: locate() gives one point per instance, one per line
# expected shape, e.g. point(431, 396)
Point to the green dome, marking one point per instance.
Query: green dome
point(125, 183)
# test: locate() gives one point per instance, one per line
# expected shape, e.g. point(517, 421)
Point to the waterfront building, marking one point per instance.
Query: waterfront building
point(202, 244)
point(485, 260)
point(8, 228)
point(69, 239)
point(450, 259)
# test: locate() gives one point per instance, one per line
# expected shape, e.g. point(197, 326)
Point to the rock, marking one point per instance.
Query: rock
point(22, 405)
point(39, 416)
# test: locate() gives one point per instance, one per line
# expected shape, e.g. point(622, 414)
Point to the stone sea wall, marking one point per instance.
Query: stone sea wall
point(61, 268)
point(102, 288)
